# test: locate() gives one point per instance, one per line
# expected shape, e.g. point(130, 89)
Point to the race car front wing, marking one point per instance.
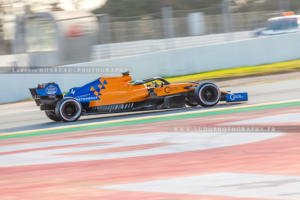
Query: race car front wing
point(236, 97)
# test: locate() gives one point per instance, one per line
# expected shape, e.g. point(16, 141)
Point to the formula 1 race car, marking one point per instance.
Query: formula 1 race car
point(120, 94)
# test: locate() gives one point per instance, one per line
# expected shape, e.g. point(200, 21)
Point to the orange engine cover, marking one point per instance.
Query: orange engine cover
point(119, 90)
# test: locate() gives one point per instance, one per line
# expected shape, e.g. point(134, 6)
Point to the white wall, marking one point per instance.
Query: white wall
point(14, 87)
point(167, 63)
point(212, 57)
point(117, 50)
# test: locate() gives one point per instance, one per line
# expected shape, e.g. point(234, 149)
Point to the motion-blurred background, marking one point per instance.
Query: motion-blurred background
point(56, 32)
point(231, 151)
point(152, 38)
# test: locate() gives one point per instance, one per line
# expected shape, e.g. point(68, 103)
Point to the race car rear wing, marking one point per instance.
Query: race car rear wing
point(46, 95)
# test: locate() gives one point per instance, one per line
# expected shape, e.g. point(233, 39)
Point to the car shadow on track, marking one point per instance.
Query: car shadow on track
point(110, 117)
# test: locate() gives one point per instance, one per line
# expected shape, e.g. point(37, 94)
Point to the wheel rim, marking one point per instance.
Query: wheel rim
point(209, 94)
point(70, 110)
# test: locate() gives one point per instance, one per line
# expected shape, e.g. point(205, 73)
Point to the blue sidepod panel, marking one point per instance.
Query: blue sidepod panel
point(89, 92)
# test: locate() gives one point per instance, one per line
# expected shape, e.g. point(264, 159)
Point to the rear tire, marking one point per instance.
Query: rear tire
point(207, 94)
point(51, 115)
point(68, 109)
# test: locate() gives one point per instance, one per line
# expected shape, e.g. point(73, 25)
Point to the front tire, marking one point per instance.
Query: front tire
point(68, 110)
point(207, 94)
point(51, 115)
point(191, 101)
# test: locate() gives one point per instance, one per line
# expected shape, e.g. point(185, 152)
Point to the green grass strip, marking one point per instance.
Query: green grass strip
point(149, 120)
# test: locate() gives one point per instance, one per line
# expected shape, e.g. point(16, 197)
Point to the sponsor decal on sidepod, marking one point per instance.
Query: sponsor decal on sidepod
point(51, 89)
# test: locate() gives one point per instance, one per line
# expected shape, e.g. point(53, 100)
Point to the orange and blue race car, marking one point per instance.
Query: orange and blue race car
point(115, 94)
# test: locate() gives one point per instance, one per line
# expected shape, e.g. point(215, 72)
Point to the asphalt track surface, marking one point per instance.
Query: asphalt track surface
point(264, 89)
point(230, 152)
